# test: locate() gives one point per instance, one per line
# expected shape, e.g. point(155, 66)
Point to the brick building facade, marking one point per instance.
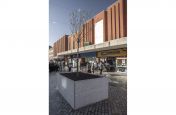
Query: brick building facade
point(112, 21)
point(61, 45)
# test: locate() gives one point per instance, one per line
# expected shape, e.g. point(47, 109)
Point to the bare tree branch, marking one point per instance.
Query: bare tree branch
point(77, 20)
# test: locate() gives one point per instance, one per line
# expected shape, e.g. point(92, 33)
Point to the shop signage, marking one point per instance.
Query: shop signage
point(84, 55)
point(89, 54)
point(113, 53)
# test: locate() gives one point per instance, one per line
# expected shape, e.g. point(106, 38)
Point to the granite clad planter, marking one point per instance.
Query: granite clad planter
point(84, 90)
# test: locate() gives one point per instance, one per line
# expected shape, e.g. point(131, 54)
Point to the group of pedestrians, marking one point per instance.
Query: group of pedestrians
point(91, 67)
point(69, 67)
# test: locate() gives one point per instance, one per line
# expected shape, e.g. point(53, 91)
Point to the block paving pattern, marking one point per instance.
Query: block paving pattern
point(116, 104)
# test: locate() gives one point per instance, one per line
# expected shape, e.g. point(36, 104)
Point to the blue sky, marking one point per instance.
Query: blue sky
point(59, 14)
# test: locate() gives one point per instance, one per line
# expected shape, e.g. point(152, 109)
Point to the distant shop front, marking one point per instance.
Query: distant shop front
point(116, 58)
point(84, 58)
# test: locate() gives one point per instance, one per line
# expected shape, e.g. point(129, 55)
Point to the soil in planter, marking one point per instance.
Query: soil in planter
point(82, 76)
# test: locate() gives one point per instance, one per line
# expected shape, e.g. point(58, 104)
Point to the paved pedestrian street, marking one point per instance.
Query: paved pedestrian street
point(116, 104)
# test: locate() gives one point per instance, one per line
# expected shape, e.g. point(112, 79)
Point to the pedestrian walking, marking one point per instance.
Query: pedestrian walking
point(61, 67)
point(69, 67)
point(101, 68)
point(89, 68)
point(93, 67)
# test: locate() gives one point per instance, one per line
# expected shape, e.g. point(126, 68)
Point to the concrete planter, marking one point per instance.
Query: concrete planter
point(80, 93)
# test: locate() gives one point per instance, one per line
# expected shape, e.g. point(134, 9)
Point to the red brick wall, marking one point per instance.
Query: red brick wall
point(117, 20)
point(61, 45)
point(71, 40)
point(123, 17)
point(109, 23)
point(88, 32)
point(113, 23)
point(57, 48)
point(69, 43)
point(115, 26)
point(64, 43)
point(54, 49)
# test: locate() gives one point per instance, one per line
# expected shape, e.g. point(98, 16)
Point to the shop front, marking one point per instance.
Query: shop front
point(88, 57)
point(84, 58)
point(115, 60)
point(72, 60)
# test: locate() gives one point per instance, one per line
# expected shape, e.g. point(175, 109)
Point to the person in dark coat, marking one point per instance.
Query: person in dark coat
point(101, 68)
point(69, 67)
point(89, 68)
point(93, 67)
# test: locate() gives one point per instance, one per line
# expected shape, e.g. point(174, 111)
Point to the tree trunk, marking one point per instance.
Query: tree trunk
point(78, 58)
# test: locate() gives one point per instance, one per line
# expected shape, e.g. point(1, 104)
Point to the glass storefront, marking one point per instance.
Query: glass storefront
point(121, 64)
point(115, 60)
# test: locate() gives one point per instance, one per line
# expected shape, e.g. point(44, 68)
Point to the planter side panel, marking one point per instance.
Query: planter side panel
point(90, 91)
point(66, 88)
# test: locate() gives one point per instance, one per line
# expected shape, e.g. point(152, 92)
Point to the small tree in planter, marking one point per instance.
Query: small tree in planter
point(77, 19)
